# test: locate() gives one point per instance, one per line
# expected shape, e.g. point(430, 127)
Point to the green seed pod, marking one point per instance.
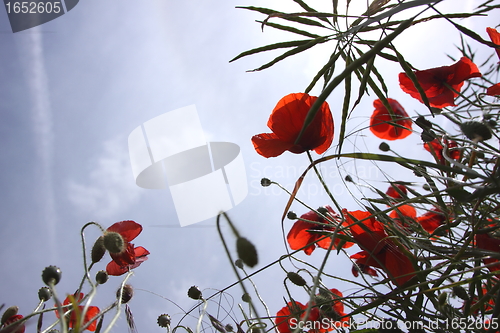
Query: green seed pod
point(195, 293)
point(101, 277)
point(114, 242)
point(291, 215)
point(265, 182)
point(246, 251)
point(246, 298)
point(98, 250)
point(229, 328)
point(128, 293)
point(384, 146)
point(443, 299)
point(238, 263)
point(44, 294)
point(11, 311)
point(51, 275)
point(164, 320)
point(296, 279)
point(475, 131)
point(461, 293)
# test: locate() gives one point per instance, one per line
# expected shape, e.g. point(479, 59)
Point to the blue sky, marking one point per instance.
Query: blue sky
point(73, 89)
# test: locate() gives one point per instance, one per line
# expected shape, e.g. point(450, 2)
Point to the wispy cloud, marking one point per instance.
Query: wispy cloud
point(110, 186)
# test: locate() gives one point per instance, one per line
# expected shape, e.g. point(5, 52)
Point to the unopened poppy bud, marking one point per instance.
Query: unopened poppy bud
point(475, 131)
point(291, 215)
point(246, 298)
point(229, 328)
point(461, 293)
point(246, 251)
point(11, 311)
point(195, 293)
point(164, 320)
point(114, 242)
point(428, 136)
point(101, 277)
point(442, 298)
point(44, 294)
point(322, 210)
point(128, 293)
point(384, 146)
point(265, 182)
point(51, 275)
point(98, 250)
point(348, 178)
point(426, 187)
point(296, 279)
point(238, 263)
point(423, 123)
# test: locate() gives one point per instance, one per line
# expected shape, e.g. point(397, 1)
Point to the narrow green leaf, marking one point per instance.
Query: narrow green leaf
point(310, 10)
point(345, 106)
point(293, 51)
point(330, 65)
point(290, 29)
point(271, 47)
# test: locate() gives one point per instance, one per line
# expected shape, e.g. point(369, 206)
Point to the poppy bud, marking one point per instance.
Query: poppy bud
point(348, 178)
point(101, 277)
point(426, 187)
point(238, 263)
point(114, 242)
point(246, 298)
point(246, 251)
point(423, 123)
point(291, 215)
point(428, 136)
point(461, 293)
point(229, 328)
point(44, 294)
point(322, 210)
point(384, 146)
point(475, 131)
point(98, 250)
point(442, 299)
point(195, 293)
point(265, 182)
point(164, 320)
point(51, 275)
point(296, 279)
point(128, 293)
point(11, 311)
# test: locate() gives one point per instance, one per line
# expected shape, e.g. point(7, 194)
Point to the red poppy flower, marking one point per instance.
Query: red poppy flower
point(92, 311)
point(128, 230)
point(495, 38)
point(13, 329)
point(139, 256)
point(378, 250)
point(385, 126)
point(396, 191)
point(486, 242)
point(431, 220)
point(436, 82)
point(435, 147)
point(403, 214)
point(300, 234)
point(292, 315)
point(494, 90)
point(286, 122)
point(331, 309)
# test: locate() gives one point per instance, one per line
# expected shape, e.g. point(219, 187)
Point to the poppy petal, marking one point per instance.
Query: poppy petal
point(269, 145)
point(127, 229)
point(494, 90)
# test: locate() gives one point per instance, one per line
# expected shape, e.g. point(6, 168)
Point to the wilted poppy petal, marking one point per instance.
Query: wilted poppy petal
point(15, 329)
point(494, 90)
point(127, 229)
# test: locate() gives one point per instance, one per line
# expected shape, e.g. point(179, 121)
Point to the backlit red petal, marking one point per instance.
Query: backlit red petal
point(495, 38)
point(298, 236)
point(269, 145)
point(494, 90)
point(128, 229)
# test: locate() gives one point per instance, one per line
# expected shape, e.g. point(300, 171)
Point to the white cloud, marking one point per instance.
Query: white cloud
point(110, 186)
